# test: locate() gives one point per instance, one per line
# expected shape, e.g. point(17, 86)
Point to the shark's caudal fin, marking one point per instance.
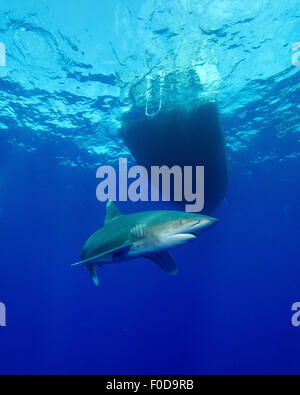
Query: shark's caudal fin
point(112, 211)
point(165, 261)
point(93, 271)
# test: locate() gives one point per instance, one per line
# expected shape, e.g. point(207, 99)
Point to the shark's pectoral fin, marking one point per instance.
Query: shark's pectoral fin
point(93, 271)
point(165, 261)
point(118, 251)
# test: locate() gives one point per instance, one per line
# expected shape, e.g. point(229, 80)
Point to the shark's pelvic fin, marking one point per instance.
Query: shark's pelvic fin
point(165, 261)
point(112, 211)
point(93, 271)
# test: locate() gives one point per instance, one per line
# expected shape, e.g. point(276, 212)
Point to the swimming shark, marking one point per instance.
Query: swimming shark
point(149, 234)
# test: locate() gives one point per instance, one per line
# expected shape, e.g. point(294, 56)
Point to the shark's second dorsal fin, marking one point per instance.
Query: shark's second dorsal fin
point(112, 212)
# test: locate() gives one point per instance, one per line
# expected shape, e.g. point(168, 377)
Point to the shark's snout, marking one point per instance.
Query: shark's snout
point(209, 221)
point(201, 223)
point(189, 229)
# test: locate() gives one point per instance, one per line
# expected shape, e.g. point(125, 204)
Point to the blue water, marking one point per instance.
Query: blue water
point(69, 77)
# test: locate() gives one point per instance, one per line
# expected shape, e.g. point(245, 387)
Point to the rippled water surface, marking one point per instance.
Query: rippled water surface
point(74, 68)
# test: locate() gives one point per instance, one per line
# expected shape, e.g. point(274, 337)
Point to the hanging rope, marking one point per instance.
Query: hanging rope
point(161, 88)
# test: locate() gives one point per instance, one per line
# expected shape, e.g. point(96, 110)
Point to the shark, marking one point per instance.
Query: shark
point(149, 234)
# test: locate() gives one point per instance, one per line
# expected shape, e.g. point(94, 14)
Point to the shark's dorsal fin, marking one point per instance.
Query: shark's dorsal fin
point(112, 212)
point(165, 261)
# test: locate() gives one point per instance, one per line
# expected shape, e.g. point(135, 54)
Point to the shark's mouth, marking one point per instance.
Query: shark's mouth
point(186, 235)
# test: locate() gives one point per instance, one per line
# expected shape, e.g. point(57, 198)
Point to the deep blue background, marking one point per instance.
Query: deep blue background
point(227, 311)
